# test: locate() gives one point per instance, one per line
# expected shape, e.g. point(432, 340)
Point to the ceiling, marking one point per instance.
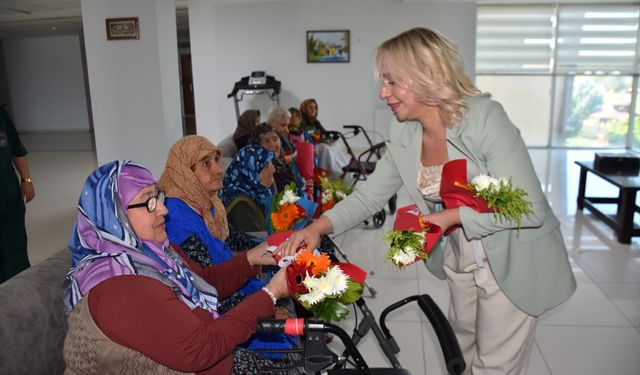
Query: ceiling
point(36, 18)
point(29, 18)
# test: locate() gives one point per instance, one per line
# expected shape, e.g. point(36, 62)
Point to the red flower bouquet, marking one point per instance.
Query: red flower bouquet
point(320, 286)
point(412, 238)
point(483, 194)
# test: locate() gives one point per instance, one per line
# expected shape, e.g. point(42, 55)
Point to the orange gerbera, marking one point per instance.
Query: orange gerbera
point(327, 206)
point(317, 264)
point(286, 216)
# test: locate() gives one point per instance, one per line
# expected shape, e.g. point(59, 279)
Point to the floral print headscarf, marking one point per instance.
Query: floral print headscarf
point(243, 176)
point(104, 245)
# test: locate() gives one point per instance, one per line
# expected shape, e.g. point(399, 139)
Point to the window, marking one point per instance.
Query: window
point(593, 111)
point(514, 39)
point(565, 73)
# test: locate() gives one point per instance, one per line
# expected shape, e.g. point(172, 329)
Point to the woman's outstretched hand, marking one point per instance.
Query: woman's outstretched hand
point(304, 238)
point(309, 237)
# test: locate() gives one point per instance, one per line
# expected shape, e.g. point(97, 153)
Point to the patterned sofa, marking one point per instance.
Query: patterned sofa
point(32, 319)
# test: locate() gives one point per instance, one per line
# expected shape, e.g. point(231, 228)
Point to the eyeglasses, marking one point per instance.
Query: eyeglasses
point(151, 204)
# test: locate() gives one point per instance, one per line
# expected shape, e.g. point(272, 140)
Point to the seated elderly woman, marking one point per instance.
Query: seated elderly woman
point(279, 118)
point(330, 156)
point(285, 173)
point(136, 302)
point(248, 188)
point(247, 122)
point(197, 220)
point(295, 130)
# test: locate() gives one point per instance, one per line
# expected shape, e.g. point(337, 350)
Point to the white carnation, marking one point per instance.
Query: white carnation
point(310, 282)
point(332, 283)
point(326, 197)
point(404, 257)
point(288, 197)
point(337, 280)
point(482, 182)
point(341, 194)
point(313, 297)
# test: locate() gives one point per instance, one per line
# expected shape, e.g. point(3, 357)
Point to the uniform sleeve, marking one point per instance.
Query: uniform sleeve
point(505, 156)
point(17, 148)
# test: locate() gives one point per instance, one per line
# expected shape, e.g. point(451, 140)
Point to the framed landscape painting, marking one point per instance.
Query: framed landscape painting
point(328, 46)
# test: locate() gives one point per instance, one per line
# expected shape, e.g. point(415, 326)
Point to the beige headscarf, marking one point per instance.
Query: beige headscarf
point(179, 181)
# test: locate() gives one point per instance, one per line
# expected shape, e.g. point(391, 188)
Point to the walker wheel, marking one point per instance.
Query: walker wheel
point(379, 218)
point(393, 204)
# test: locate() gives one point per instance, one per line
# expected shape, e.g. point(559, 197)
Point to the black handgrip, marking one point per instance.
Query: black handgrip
point(448, 341)
point(355, 128)
point(447, 338)
point(270, 325)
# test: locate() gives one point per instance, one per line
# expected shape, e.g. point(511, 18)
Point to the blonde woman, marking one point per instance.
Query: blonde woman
point(501, 277)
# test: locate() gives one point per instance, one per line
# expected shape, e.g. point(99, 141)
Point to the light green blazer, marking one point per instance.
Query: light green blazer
point(530, 264)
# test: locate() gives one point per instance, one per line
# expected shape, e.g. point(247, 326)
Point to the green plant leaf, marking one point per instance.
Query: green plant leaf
point(330, 310)
point(353, 292)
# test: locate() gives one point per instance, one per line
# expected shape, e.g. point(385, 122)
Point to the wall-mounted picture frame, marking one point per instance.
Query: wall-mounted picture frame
point(123, 28)
point(328, 46)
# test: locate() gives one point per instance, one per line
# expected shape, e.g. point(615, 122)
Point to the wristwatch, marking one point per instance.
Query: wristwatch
point(27, 179)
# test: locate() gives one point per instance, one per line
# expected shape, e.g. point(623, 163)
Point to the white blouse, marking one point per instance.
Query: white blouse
point(429, 182)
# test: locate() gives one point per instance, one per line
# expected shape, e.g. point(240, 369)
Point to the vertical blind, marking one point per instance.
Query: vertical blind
point(597, 38)
point(563, 39)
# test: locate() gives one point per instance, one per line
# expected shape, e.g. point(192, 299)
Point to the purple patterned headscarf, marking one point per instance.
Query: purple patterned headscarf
point(104, 245)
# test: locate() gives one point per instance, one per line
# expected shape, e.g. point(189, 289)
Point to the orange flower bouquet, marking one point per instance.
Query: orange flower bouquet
point(289, 211)
point(322, 287)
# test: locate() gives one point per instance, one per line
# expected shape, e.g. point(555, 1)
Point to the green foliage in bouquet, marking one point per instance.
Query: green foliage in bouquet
point(504, 199)
point(404, 247)
point(334, 308)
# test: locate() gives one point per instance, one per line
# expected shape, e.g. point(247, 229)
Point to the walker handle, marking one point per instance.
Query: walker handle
point(447, 338)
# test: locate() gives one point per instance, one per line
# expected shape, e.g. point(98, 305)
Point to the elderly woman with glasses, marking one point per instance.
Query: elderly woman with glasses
point(137, 302)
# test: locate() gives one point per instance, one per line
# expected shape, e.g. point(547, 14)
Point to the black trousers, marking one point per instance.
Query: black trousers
point(13, 239)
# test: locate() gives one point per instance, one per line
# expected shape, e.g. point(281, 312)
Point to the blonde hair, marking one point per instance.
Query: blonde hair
point(434, 66)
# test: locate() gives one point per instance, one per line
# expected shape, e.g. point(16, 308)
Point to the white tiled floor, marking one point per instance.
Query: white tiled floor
point(596, 332)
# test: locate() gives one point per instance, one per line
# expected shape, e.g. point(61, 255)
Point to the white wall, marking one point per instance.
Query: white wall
point(135, 92)
point(46, 83)
point(270, 36)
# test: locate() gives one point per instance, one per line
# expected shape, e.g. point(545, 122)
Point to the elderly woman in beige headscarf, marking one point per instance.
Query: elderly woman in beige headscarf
point(197, 220)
